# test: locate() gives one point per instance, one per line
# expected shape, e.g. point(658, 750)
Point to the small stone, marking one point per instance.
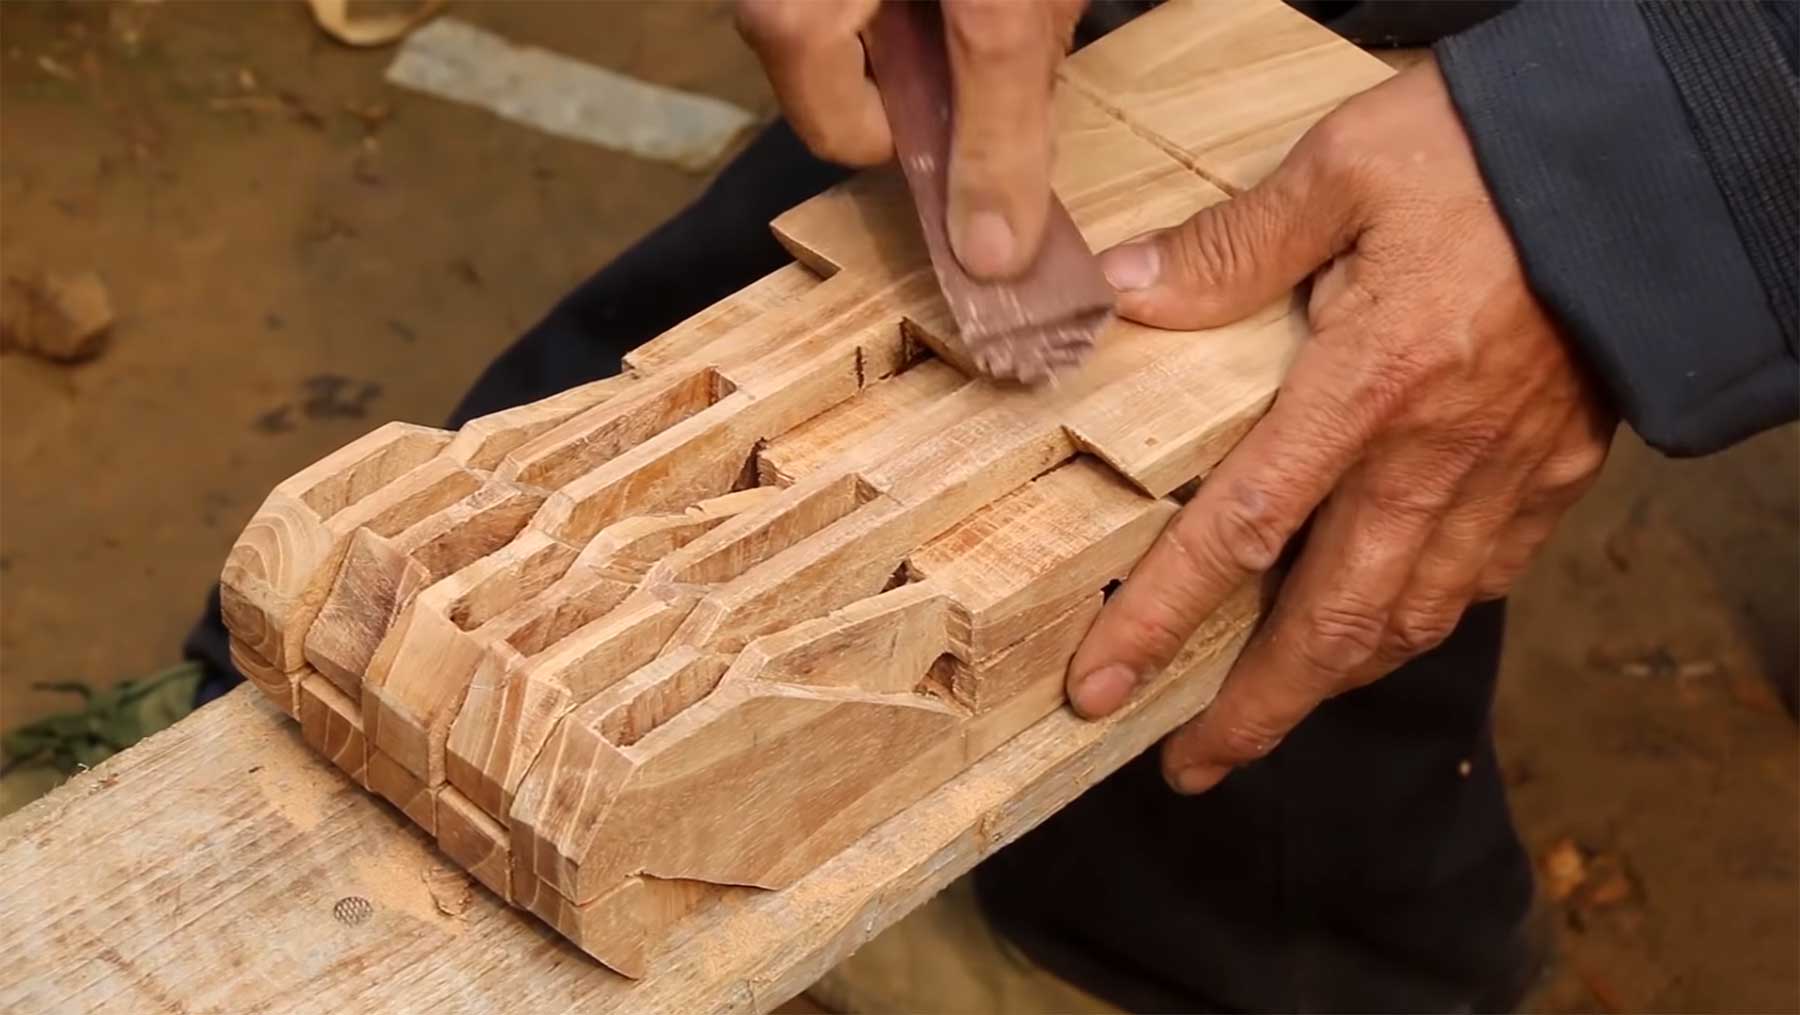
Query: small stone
point(60, 317)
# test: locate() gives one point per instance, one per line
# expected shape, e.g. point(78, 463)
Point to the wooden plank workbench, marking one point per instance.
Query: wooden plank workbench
point(224, 866)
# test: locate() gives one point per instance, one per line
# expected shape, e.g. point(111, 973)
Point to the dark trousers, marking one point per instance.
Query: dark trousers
point(1368, 864)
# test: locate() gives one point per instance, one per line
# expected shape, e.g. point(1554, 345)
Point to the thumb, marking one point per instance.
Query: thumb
point(1235, 257)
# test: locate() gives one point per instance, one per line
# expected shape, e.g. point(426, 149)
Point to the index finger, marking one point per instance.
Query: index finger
point(1330, 618)
point(1234, 528)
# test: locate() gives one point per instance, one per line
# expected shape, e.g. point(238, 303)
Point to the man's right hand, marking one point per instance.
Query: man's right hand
point(1003, 58)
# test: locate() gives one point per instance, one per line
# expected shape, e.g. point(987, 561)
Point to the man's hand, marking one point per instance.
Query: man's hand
point(1003, 57)
point(1435, 421)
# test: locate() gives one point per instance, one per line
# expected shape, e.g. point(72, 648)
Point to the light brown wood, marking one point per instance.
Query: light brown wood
point(1021, 683)
point(276, 562)
point(1225, 87)
point(485, 441)
point(1147, 430)
point(509, 604)
point(884, 240)
point(416, 798)
point(855, 423)
point(418, 675)
point(332, 725)
point(282, 688)
point(475, 841)
point(1034, 554)
point(381, 574)
point(771, 292)
point(779, 653)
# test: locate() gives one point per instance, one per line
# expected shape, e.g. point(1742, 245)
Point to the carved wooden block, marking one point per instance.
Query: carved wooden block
point(681, 636)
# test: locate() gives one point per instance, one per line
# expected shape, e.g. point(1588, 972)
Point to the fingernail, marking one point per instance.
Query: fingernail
point(1196, 778)
point(985, 244)
point(1131, 266)
point(1104, 690)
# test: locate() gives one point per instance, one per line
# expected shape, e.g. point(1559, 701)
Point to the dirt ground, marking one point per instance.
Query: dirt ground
point(297, 252)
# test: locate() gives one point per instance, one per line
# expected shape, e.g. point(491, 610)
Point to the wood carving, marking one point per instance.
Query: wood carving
point(674, 640)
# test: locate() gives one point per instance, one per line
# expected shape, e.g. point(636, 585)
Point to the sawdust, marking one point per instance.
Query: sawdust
point(451, 891)
point(399, 874)
point(297, 784)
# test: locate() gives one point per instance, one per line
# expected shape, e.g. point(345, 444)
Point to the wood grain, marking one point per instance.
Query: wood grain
point(1224, 86)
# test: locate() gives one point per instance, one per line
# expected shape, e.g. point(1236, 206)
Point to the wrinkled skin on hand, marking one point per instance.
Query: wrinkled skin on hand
point(1434, 427)
point(1003, 58)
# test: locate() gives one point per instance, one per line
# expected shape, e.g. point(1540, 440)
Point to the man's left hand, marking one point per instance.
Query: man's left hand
point(1436, 422)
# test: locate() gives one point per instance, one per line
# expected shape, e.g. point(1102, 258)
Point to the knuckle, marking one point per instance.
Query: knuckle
point(1497, 581)
point(1341, 635)
point(1335, 146)
point(1572, 470)
point(1154, 635)
point(1383, 388)
point(1248, 737)
point(1247, 533)
point(1492, 588)
point(1209, 248)
point(1472, 438)
point(1412, 500)
point(776, 25)
point(1420, 630)
point(1067, 14)
point(1331, 401)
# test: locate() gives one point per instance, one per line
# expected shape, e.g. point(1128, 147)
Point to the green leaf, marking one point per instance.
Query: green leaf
point(108, 721)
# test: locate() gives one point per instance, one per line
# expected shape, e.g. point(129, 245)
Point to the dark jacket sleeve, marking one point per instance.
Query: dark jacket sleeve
point(1646, 158)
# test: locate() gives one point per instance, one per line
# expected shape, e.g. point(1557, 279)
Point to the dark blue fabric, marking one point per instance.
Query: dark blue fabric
point(1354, 869)
point(1585, 143)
